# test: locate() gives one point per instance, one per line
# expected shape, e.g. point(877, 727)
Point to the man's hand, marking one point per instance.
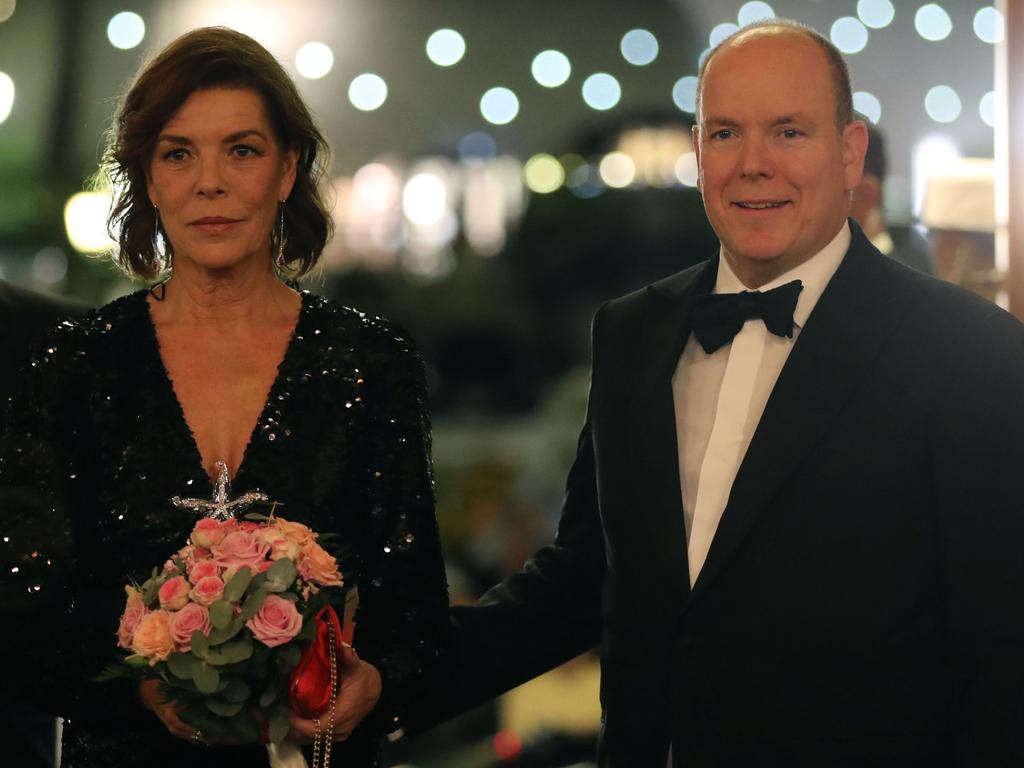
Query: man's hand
point(149, 692)
point(359, 692)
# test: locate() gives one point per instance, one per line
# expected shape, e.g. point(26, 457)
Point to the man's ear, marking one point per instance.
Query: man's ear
point(855, 147)
point(695, 136)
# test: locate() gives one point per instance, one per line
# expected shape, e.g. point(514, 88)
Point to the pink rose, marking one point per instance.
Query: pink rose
point(318, 566)
point(183, 623)
point(134, 611)
point(276, 622)
point(202, 569)
point(249, 526)
point(174, 593)
point(152, 638)
point(241, 548)
point(208, 533)
point(207, 591)
point(280, 545)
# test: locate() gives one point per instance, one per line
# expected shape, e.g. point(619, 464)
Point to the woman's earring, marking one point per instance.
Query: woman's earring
point(280, 236)
point(155, 264)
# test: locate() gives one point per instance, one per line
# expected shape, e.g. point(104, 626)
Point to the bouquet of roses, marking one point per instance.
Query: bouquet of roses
point(224, 621)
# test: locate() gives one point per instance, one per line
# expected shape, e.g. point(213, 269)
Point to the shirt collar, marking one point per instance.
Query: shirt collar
point(814, 273)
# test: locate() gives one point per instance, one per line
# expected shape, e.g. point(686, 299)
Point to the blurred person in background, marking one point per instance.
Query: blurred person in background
point(793, 524)
point(905, 244)
point(319, 406)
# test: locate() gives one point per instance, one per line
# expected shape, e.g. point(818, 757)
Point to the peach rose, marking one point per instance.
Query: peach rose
point(276, 622)
point(152, 638)
point(202, 569)
point(296, 532)
point(318, 566)
point(207, 591)
point(183, 623)
point(134, 611)
point(280, 545)
point(240, 548)
point(208, 533)
point(174, 593)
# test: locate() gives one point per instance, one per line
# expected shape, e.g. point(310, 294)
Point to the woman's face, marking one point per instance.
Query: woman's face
point(216, 175)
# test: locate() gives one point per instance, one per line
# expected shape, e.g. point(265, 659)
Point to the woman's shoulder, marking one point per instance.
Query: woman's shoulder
point(367, 333)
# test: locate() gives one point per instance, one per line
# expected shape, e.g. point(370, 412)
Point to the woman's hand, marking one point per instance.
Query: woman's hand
point(153, 699)
point(360, 688)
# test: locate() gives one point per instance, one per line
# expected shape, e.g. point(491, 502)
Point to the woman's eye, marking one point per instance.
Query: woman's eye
point(244, 150)
point(175, 154)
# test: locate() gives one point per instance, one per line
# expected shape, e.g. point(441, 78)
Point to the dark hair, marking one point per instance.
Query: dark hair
point(875, 160)
point(840, 74)
point(211, 57)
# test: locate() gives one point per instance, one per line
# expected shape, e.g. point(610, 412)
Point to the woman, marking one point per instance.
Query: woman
point(320, 407)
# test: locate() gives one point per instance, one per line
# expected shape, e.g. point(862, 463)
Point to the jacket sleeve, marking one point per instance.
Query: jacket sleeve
point(534, 620)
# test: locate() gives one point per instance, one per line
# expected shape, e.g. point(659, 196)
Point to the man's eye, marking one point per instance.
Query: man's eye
point(791, 133)
point(722, 134)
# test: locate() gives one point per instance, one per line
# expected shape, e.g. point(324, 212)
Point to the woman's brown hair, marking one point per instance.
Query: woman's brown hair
point(211, 57)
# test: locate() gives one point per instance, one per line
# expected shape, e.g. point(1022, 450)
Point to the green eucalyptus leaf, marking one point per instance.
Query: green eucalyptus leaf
point(281, 575)
point(253, 603)
point(219, 636)
point(151, 593)
point(267, 697)
point(256, 516)
point(239, 650)
point(236, 691)
point(180, 665)
point(206, 677)
point(278, 725)
point(236, 585)
point(221, 613)
point(224, 708)
point(200, 644)
point(289, 657)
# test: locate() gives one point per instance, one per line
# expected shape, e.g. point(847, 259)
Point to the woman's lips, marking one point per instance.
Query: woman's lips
point(214, 225)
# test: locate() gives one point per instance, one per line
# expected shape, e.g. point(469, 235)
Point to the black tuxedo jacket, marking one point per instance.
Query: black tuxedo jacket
point(862, 602)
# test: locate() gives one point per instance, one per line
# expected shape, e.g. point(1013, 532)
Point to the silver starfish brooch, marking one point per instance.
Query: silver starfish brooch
point(221, 508)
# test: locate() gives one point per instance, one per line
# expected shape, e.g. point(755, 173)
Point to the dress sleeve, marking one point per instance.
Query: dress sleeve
point(402, 619)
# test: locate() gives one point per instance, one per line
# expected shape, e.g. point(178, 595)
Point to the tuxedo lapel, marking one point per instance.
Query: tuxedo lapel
point(830, 359)
point(652, 417)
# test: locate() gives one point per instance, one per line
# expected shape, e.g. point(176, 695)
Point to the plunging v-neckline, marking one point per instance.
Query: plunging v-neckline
point(182, 423)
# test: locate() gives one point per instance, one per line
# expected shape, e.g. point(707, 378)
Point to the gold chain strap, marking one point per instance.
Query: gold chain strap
point(323, 736)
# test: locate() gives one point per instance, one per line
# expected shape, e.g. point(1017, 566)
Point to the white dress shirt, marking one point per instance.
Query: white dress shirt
point(719, 398)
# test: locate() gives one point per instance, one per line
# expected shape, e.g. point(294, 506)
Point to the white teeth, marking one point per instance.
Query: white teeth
point(760, 206)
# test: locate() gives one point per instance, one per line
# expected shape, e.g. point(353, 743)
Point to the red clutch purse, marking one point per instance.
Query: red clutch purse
point(312, 685)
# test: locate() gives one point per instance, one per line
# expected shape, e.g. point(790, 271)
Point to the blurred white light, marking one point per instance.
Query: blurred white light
point(551, 68)
point(989, 25)
point(6, 95)
point(987, 108)
point(367, 92)
point(314, 60)
point(49, 266)
point(85, 219)
point(6, 9)
point(720, 32)
point(684, 93)
point(543, 174)
point(584, 181)
point(126, 30)
point(686, 169)
point(942, 104)
point(446, 47)
point(617, 170)
point(601, 91)
point(755, 11)
point(868, 105)
point(932, 22)
point(703, 57)
point(499, 106)
point(639, 47)
point(477, 146)
point(932, 154)
point(849, 35)
point(876, 13)
point(376, 188)
point(425, 199)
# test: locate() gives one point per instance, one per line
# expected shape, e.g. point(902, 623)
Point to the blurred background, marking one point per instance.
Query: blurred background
point(500, 169)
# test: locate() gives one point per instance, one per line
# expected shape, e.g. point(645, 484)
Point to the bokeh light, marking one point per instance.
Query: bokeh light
point(49, 266)
point(499, 106)
point(639, 47)
point(942, 104)
point(754, 11)
point(989, 25)
point(85, 220)
point(868, 105)
point(314, 60)
point(720, 32)
point(543, 174)
point(126, 30)
point(849, 35)
point(617, 170)
point(367, 91)
point(987, 109)
point(932, 22)
point(684, 93)
point(551, 68)
point(686, 169)
point(477, 146)
point(446, 47)
point(601, 91)
point(6, 9)
point(425, 199)
point(875, 13)
point(6, 96)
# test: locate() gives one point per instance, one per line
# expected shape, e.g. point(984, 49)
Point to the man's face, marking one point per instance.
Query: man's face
point(775, 170)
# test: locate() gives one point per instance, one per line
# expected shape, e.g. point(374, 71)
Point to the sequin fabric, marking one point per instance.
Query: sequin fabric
point(97, 446)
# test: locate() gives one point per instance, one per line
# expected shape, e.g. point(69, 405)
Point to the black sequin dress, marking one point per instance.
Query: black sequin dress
point(96, 446)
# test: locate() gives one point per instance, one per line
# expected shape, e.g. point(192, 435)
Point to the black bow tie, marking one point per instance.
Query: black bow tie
point(718, 317)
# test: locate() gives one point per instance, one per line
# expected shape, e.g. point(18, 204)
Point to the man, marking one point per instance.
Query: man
point(31, 738)
point(904, 244)
point(788, 556)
